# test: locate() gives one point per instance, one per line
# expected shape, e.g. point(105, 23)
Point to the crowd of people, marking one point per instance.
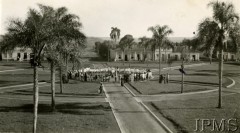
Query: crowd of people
point(110, 74)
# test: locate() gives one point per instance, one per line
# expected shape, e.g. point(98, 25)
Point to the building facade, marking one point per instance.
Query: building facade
point(17, 54)
point(139, 54)
point(229, 56)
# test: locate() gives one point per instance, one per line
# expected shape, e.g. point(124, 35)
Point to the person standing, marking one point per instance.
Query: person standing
point(100, 91)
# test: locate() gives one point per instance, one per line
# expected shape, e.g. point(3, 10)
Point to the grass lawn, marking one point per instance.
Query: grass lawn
point(4, 65)
point(72, 88)
point(197, 79)
point(22, 77)
point(17, 116)
point(191, 84)
point(183, 113)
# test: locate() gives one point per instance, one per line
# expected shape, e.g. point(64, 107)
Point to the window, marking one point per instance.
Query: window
point(119, 57)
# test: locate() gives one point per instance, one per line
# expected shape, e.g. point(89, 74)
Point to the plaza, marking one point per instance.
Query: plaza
point(114, 66)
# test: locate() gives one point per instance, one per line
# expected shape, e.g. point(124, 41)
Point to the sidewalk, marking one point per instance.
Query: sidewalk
point(130, 115)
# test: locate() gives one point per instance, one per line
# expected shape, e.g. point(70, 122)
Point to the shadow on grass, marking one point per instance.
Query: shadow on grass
point(209, 71)
point(201, 74)
point(25, 92)
point(232, 74)
point(194, 83)
point(233, 63)
point(68, 108)
point(5, 83)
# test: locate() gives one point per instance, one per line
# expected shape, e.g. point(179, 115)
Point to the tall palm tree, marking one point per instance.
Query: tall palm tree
point(67, 31)
point(50, 52)
point(33, 32)
point(159, 35)
point(217, 30)
point(114, 35)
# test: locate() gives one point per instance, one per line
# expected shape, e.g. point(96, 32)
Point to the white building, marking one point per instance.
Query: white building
point(229, 56)
point(17, 54)
point(139, 54)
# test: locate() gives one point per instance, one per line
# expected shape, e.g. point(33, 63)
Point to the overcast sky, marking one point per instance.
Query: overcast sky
point(130, 16)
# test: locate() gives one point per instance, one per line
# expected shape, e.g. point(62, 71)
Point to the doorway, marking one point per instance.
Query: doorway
point(194, 57)
point(126, 57)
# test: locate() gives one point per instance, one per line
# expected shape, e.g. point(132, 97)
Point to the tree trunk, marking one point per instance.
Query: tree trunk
point(165, 55)
point(35, 97)
point(154, 53)
point(220, 73)
point(159, 58)
point(108, 53)
point(123, 57)
point(53, 85)
point(144, 51)
point(130, 58)
point(66, 59)
point(210, 58)
point(61, 81)
point(60, 75)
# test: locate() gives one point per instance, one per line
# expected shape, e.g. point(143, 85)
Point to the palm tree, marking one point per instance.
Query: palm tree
point(217, 30)
point(114, 35)
point(159, 35)
point(126, 42)
point(68, 36)
point(52, 56)
point(31, 33)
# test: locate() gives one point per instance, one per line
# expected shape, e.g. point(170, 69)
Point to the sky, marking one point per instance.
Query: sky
point(130, 16)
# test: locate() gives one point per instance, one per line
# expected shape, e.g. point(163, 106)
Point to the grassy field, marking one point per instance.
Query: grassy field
point(72, 88)
point(197, 79)
point(22, 77)
point(17, 116)
point(182, 113)
point(191, 84)
point(87, 117)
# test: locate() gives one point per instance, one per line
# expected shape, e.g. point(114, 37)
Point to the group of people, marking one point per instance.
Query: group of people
point(110, 74)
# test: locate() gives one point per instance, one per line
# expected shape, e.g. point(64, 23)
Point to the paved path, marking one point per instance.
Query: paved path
point(130, 115)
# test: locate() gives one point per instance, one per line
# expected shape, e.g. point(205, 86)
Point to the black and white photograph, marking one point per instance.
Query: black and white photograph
point(119, 66)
